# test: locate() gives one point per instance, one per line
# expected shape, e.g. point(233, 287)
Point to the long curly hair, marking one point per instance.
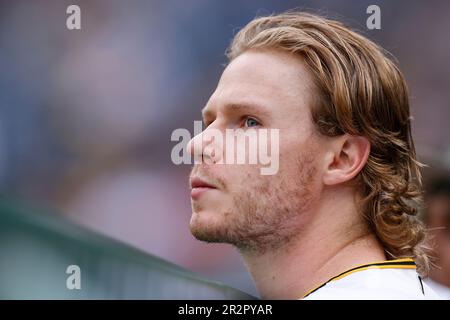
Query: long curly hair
point(361, 92)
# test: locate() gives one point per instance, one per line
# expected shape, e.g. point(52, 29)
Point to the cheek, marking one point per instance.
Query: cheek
point(301, 148)
point(292, 156)
point(237, 176)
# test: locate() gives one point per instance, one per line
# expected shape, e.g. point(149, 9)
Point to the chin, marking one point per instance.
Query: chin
point(207, 226)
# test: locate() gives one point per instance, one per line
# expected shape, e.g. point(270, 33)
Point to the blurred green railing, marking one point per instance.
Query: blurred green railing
point(36, 249)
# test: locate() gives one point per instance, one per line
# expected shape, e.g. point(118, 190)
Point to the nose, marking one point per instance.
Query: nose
point(195, 147)
point(206, 146)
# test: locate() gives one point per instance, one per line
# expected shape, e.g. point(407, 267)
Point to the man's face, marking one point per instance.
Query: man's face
point(260, 89)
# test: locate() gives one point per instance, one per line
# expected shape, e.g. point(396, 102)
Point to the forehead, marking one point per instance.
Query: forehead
point(271, 78)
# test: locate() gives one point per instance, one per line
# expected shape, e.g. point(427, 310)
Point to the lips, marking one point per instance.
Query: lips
point(199, 187)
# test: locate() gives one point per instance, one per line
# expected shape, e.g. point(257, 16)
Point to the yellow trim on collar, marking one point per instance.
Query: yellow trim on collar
point(405, 263)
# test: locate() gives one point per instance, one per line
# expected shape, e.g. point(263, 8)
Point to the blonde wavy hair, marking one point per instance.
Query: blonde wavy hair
point(361, 92)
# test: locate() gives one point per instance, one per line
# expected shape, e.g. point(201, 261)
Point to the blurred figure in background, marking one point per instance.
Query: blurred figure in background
point(438, 221)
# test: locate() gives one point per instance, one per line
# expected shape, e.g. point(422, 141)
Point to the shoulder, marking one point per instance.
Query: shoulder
point(376, 284)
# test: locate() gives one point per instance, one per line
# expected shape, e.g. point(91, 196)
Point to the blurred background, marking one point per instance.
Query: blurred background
point(86, 115)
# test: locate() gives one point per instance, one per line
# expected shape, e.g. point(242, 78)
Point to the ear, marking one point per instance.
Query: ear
point(347, 156)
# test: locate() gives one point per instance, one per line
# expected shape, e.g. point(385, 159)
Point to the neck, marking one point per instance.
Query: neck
point(440, 275)
point(322, 250)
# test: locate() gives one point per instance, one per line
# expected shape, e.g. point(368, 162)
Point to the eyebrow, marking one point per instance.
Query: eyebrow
point(233, 107)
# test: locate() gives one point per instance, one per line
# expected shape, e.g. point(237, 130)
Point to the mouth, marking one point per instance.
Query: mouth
point(199, 187)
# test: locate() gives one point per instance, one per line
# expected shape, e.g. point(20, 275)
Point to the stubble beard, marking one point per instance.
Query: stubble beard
point(266, 215)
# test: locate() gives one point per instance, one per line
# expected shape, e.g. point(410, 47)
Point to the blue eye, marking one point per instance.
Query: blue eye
point(250, 122)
